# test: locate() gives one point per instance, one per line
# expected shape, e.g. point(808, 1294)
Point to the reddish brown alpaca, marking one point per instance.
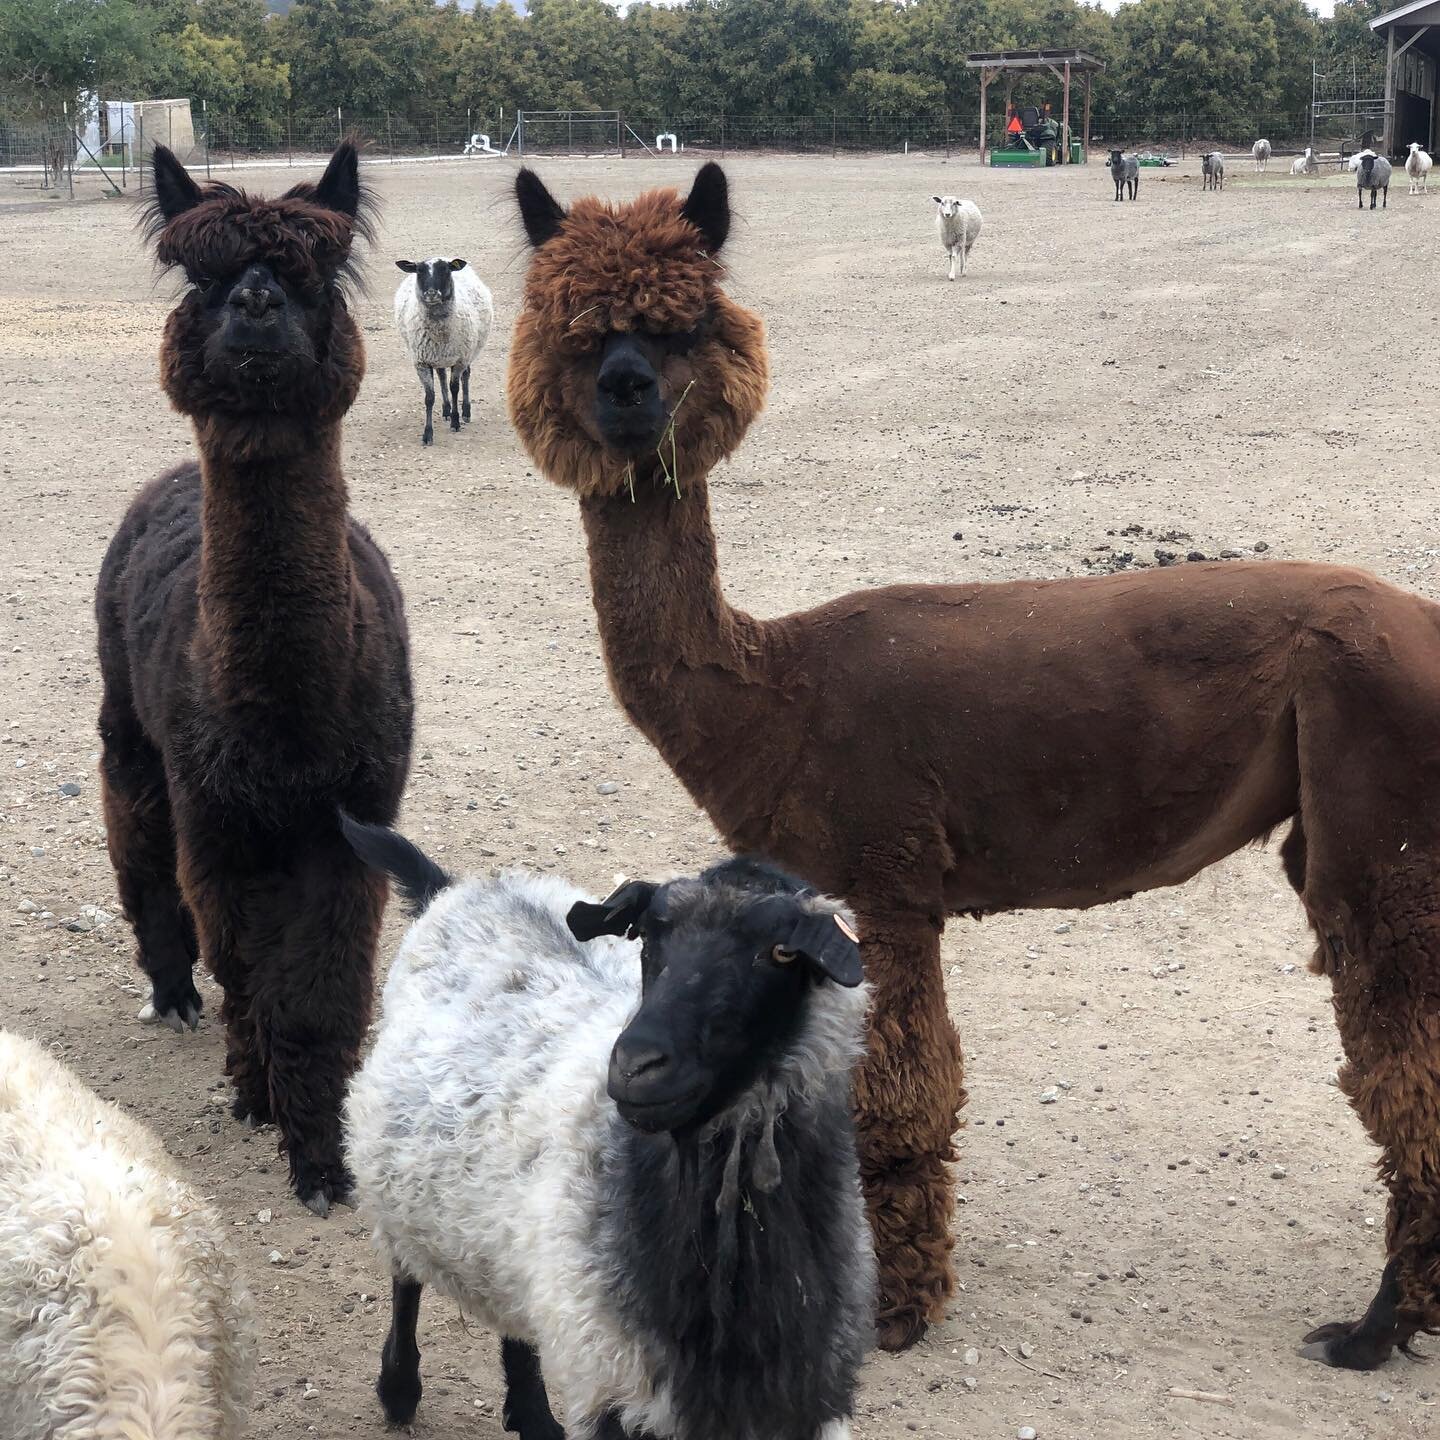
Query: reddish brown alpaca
point(928, 751)
point(255, 662)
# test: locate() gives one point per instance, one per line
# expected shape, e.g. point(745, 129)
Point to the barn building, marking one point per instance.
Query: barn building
point(1412, 59)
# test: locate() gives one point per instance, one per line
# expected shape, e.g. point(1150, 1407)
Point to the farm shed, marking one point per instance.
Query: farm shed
point(1062, 64)
point(1412, 58)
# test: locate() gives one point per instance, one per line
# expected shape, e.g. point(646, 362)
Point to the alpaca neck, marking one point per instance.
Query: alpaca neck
point(701, 680)
point(276, 588)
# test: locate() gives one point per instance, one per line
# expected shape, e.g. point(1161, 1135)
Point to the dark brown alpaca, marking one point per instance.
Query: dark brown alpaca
point(928, 751)
point(255, 662)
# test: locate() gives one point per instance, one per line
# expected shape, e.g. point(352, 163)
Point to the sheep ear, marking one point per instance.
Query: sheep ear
point(175, 191)
point(457, 264)
point(823, 938)
point(339, 187)
point(408, 266)
point(617, 914)
point(707, 206)
point(936, 199)
point(541, 213)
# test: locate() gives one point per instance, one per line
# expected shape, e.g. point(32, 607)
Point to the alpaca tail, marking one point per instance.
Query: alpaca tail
point(420, 879)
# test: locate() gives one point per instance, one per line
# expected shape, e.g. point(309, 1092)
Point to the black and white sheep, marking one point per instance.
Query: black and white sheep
point(635, 1162)
point(1417, 167)
point(958, 224)
point(1374, 176)
point(1261, 151)
point(444, 313)
point(122, 1312)
point(1213, 166)
point(1124, 170)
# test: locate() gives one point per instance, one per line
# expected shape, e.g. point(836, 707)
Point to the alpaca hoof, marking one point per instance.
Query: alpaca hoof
point(465, 415)
point(900, 1330)
point(317, 1203)
point(427, 437)
point(1346, 1345)
point(317, 1195)
point(250, 1112)
point(176, 1006)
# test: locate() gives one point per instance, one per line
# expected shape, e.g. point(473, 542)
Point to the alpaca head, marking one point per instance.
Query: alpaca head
point(630, 364)
point(262, 338)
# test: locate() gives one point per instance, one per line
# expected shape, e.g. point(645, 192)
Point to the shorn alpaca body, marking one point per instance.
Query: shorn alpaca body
point(933, 750)
point(122, 1313)
point(255, 662)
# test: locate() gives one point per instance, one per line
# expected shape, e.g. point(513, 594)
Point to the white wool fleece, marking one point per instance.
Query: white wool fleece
point(122, 1317)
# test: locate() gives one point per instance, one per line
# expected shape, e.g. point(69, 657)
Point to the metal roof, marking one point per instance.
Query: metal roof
point(1038, 59)
point(1418, 12)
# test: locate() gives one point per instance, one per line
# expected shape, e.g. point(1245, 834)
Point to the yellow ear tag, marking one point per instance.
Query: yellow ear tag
point(845, 930)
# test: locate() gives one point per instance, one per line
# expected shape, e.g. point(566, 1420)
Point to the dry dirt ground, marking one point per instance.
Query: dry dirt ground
point(1238, 371)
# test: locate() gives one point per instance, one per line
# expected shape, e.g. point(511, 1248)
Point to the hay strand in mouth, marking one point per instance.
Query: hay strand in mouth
point(672, 471)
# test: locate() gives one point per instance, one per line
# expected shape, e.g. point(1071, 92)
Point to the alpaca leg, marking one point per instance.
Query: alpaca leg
point(465, 383)
point(1385, 974)
point(527, 1410)
point(313, 997)
point(908, 1093)
point(399, 1384)
point(427, 383)
point(454, 410)
point(140, 836)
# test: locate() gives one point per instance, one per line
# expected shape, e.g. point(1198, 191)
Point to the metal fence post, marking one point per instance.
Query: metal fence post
point(834, 127)
point(140, 159)
point(205, 120)
point(289, 142)
point(339, 125)
point(390, 133)
point(69, 149)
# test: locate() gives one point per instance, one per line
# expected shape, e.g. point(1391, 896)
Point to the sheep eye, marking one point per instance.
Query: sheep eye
point(781, 956)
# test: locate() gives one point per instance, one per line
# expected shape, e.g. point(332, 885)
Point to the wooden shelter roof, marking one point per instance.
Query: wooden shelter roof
point(1078, 60)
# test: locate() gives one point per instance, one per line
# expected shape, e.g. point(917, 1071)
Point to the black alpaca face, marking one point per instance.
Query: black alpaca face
point(630, 412)
point(264, 326)
point(725, 986)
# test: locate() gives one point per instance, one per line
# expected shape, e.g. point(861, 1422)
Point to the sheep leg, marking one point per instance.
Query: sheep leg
point(909, 1090)
point(1381, 951)
point(399, 1384)
point(952, 261)
point(427, 383)
point(465, 382)
point(454, 411)
point(444, 394)
point(140, 836)
point(315, 953)
point(527, 1410)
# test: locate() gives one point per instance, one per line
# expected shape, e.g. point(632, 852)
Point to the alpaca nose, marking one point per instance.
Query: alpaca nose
point(626, 378)
point(254, 301)
point(255, 293)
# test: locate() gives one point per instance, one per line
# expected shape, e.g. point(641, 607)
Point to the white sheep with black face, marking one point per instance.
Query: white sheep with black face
point(958, 224)
point(635, 1161)
point(122, 1313)
point(444, 312)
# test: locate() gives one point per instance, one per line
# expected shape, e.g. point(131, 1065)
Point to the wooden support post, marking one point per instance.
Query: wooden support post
point(985, 78)
point(1065, 119)
point(1387, 143)
point(1086, 150)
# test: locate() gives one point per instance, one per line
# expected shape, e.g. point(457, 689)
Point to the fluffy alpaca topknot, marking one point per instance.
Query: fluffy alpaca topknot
point(639, 266)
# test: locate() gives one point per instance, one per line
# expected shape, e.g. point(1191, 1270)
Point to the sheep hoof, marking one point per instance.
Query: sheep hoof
point(427, 437)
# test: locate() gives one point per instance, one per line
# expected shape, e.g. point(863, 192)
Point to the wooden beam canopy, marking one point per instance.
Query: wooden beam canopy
point(1062, 64)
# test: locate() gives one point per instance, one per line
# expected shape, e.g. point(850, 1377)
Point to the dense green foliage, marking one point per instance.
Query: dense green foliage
point(407, 60)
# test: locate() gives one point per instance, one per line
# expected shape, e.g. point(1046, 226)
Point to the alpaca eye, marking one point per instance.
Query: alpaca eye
point(781, 956)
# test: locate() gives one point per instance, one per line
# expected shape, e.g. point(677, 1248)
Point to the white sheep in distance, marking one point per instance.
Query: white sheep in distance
point(1305, 164)
point(122, 1316)
point(444, 313)
point(1357, 160)
point(1417, 167)
point(636, 1163)
point(1261, 151)
point(958, 224)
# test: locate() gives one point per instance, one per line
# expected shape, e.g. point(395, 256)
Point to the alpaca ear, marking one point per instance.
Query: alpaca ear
point(540, 211)
point(457, 264)
point(707, 206)
point(408, 266)
point(339, 187)
point(617, 914)
point(175, 191)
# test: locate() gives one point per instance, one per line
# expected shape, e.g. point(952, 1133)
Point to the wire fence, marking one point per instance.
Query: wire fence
point(212, 140)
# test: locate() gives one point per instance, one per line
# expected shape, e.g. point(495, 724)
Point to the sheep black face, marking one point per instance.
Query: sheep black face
point(434, 280)
point(728, 966)
point(264, 327)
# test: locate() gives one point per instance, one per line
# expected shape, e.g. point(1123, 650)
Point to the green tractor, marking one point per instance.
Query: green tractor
point(1032, 137)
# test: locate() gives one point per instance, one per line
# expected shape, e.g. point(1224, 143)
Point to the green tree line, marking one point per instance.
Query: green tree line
point(1209, 59)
